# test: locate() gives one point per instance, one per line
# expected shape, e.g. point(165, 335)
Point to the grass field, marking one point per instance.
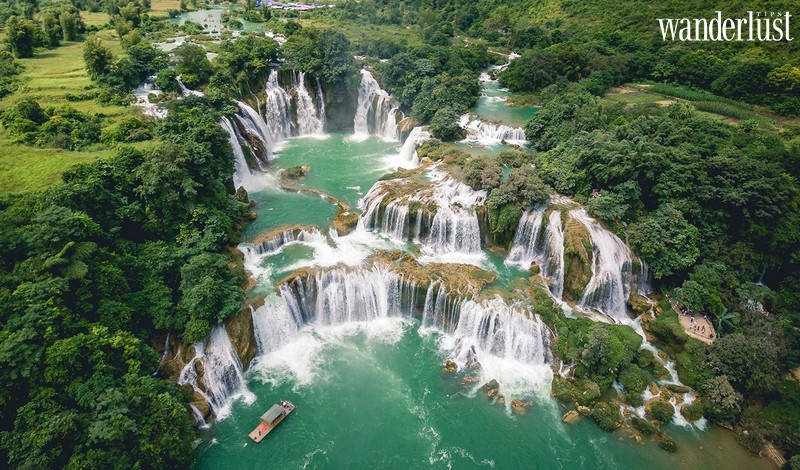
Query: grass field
point(95, 18)
point(24, 168)
point(48, 77)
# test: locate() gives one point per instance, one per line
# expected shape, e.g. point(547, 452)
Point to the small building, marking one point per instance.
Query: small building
point(271, 416)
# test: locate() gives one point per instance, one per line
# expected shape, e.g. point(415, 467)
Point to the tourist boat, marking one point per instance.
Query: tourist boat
point(271, 419)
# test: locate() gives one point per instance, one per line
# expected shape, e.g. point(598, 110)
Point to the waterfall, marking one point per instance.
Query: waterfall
point(487, 132)
point(610, 284)
point(345, 295)
point(142, 94)
point(222, 378)
point(185, 91)
point(243, 176)
point(536, 242)
point(255, 126)
point(321, 105)
point(276, 322)
point(277, 109)
point(494, 327)
point(308, 120)
point(643, 282)
point(455, 227)
point(439, 311)
point(376, 112)
point(275, 243)
point(408, 153)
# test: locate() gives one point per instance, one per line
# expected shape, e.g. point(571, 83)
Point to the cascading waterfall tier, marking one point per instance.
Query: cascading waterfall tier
point(612, 274)
point(256, 134)
point(243, 175)
point(309, 118)
point(277, 109)
point(539, 240)
point(222, 380)
point(408, 152)
point(441, 213)
point(507, 332)
point(340, 295)
point(377, 113)
point(487, 132)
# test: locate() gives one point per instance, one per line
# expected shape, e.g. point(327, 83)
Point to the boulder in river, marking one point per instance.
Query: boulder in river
point(571, 417)
point(450, 367)
point(519, 406)
point(490, 388)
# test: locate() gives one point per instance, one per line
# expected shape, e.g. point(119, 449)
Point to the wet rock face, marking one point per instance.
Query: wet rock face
point(520, 406)
point(571, 417)
point(345, 221)
point(450, 367)
point(491, 388)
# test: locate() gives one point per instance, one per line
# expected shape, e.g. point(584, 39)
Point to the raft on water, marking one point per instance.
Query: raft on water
point(271, 419)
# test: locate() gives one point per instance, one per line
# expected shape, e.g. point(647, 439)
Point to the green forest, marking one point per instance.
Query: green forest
point(135, 240)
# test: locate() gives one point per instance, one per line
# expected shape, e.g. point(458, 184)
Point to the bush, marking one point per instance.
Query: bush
point(693, 411)
point(130, 129)
point(642, 425)
point(606, 416)
point(444, 125)
point(660, 410)
point(633, 379)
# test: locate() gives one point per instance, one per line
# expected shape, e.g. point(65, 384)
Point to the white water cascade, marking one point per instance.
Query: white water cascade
point(277, 109)
point(490, 133)
point(309, 119)
point(243, 175)
point(376, 112)
point(494, 327)
point(255, 126)
point(540, 240)
point(222, 380)
point(142, 94)
point(610, 284)
point(408, 152)
point(185, 91)
point(455, 227)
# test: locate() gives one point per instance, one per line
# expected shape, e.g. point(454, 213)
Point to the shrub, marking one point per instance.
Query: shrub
point(660, 410)
point(606, 416)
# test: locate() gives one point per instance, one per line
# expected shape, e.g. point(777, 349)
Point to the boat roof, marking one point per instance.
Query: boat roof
point(272, 414)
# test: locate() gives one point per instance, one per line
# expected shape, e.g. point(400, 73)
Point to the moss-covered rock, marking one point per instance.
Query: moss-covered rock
point(645, 358)
point(606, 416)
point(577, 259)
point(693, 411)
point(295, 172)
point(634, 399)
point(666, 443)
point(345, 221)
point(659, 410)
point(634, 379)
point(677, 388)
point(642, 425)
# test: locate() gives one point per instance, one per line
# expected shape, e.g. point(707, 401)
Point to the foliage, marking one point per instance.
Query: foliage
point(606, 416)
point(61, 127)
point(9, 73)
point(91, 268)
point(723, 403)
point(666, 241)
point(21, 36)
point(444, 124)
point(192, 65)
point(751, 363)
point(660, 410)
